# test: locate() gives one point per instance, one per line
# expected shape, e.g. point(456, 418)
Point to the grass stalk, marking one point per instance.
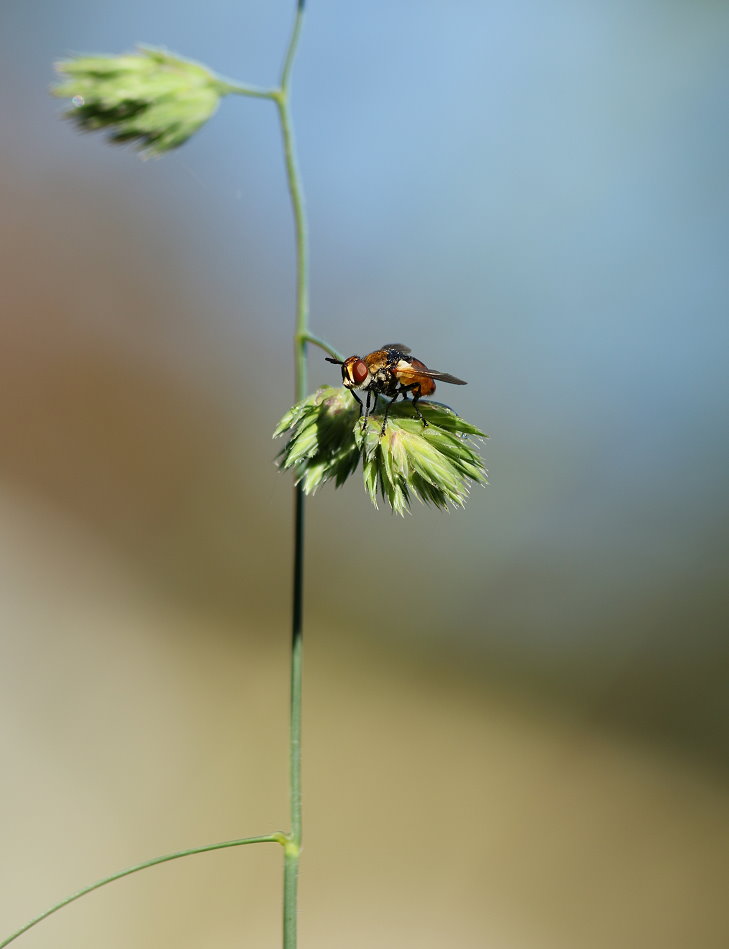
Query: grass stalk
point(292, 850)
point(90, 71)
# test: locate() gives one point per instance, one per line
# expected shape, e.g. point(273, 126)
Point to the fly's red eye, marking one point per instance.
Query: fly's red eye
point(359, 372)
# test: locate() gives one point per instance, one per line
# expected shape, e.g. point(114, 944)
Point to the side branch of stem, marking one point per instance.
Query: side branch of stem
point(228, 87)
point(277, 838)
point(323, 344)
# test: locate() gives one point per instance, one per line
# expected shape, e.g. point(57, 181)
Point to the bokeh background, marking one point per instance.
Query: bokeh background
point(517, 715)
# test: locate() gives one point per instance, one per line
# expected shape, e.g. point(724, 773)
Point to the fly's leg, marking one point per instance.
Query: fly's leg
point(416, 396)
point(403, 391)
point(370, 402)
point(357, 400)
point(364, 410)
point(387, 410)
point(417, 392)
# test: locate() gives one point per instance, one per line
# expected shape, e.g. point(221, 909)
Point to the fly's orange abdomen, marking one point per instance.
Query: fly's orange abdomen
point(408, 373)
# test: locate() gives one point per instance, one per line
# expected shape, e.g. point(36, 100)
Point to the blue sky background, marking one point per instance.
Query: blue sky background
point(533, 196)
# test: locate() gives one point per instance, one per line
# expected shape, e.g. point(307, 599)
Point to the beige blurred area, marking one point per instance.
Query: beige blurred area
point(145, 550)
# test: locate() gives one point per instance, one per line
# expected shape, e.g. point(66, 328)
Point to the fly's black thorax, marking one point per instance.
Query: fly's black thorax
point(385, 381)
point(382, 369)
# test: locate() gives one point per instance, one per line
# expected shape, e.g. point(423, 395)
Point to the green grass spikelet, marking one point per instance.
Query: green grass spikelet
point(326, 439)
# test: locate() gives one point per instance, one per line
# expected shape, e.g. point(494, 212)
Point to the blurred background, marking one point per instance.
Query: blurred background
point(516, 715)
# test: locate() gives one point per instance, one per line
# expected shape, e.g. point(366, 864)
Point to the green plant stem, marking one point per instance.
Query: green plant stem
point(292, 848)
point(229, 87)
point(268, 838)
point(323, 344)
point(302, 245)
